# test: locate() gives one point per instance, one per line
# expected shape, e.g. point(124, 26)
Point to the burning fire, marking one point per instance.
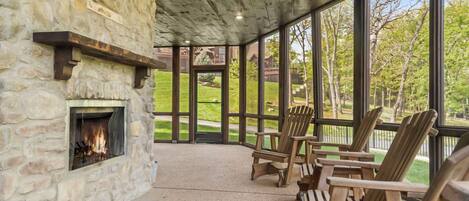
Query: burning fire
point(95, 137)
point(99, 144)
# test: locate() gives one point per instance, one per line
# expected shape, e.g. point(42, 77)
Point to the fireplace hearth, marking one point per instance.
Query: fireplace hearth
point(96, 134)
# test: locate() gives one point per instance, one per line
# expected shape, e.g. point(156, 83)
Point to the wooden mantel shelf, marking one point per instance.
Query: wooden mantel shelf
point(69, 46)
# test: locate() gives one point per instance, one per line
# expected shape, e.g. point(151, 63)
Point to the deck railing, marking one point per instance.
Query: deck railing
point(380, 140)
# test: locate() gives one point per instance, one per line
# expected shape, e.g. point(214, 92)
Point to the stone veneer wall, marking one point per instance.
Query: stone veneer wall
point(33, 151)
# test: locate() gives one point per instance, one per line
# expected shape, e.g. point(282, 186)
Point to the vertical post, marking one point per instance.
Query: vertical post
point(284, 81)
point(436, 80)
point(242, 94)
point(226, 96)
point(361, 61)
point(260, 94)
point(317, 71)
point(193, 85)
point(175, 98)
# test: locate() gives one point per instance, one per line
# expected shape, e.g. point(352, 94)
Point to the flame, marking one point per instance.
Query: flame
point(95, 133)
point(99, 144)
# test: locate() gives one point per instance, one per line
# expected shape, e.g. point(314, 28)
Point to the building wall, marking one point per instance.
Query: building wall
point(33, 109)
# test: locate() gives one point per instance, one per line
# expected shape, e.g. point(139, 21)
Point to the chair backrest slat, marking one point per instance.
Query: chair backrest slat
point(365, 130)
point(455, 168)
point(296, 124)
point(410, 136)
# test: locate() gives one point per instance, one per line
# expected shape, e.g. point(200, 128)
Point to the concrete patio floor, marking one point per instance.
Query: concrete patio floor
point(211, 172)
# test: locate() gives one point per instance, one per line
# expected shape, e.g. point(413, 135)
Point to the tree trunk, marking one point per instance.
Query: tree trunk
point(405, 68)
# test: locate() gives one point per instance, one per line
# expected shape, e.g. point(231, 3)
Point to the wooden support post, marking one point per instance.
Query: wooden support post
point(436, 78)
point(242, 93)
point(175, 97)
point(284, 80)
point(226, 96)
point(317, 71)
point(193, 85)
point(361, 61)
point(260, 94)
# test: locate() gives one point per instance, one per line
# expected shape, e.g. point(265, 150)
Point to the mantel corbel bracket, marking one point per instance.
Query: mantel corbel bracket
point(69, 47)
point(65, 58)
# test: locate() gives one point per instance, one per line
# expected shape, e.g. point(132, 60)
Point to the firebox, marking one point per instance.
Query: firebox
point(96, 134)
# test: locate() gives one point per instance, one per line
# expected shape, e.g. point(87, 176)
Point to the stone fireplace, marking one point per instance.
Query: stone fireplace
point(86, 138)
point(97, 132)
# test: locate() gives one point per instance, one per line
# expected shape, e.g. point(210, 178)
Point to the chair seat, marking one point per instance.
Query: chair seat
point(318, 195)
point(271, 155)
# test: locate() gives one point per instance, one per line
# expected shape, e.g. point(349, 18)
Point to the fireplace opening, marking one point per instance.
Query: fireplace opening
point(96, 134)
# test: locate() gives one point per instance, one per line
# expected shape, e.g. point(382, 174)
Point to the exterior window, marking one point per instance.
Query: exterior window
point(209, 55)
point(456, 63)
point(184, 80)
point(399, 40)
point(252, 78)
point(337, 60)
point(234, 79)
point(300, 64)
point(271, 75)
point(163, 81)
point(251, 129)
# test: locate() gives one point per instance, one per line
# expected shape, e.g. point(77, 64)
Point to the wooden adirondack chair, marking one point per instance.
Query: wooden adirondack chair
point(290, 139)
point(450, 184)
point(353, 151)
point(410, 136)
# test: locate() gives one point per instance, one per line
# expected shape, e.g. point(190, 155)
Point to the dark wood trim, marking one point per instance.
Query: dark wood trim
point(162, 141)
point(335, 122)
point(234, 114)
point(361, 60)
point(255, 116)
point(269, 117)
point(283, 76)
point(242, 93)
point(317, 71)
point(175, 93)
point(192, 109)
point(162, 113)
point(226, 96)
point(201, 67)
point(436, 80)
point(260, 89)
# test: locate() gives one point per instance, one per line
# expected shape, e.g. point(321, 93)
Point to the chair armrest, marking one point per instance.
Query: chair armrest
point(276, 134)
point(360, 164)
point(360, 155)
point(378, 185)
point(379, 122)
point(304, 138)
point(346, 146)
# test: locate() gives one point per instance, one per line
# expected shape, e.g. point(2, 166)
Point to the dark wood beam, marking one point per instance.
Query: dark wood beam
point(242, 93)
point(436, 81)
point(192, 104)
point(69, 46)
point(283, 76)
point(361, 60)
point(175, 93)
point(226, 96)
point(317, 71)
point(260, 89)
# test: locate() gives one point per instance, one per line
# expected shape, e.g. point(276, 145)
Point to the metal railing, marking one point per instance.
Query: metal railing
point(381, 139)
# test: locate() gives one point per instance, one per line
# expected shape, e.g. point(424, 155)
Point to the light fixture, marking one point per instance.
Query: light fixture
point(239, 16)
point(187, 41)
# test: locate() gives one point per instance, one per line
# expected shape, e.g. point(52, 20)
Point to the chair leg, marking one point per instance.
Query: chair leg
point(255, 164)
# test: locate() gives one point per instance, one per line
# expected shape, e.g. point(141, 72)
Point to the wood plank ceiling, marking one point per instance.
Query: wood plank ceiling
point(213, 22)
